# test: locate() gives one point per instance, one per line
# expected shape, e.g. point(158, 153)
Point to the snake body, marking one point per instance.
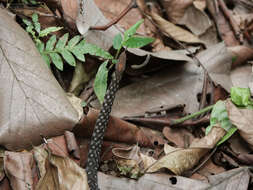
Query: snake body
point(101, 125)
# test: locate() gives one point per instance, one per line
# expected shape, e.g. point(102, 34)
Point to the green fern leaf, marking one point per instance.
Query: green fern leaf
point(50, 43)
point(68, 57)
point(73, 41)
point(62, 42)
point(49, 30)
point(56, 59)
point(78, 54)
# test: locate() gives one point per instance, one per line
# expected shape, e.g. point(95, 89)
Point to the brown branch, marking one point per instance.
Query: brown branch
point(131, 5)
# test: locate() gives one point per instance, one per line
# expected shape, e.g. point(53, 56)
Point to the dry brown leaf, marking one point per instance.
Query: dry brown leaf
point(200, 4)
point(18, 168)
point(175, 9)
point(243, 120)
point(32, 102)
point(174, 31)
point(59, 173)
point(181, 160)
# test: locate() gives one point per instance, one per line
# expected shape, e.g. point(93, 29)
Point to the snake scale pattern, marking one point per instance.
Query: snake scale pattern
point(101, 125)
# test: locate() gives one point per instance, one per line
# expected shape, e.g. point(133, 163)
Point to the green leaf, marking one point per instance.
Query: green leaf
point(50, 43)
point(29, 29)
point(83, 104)
point(240, 96)
point(46, 59)
point(49, 30)
point(69, 58)
point(73, 41)
point(35, 17)
point(56, 59)
point(27, 22)
point(37, 27)
point(40, 46)
point(137, 42)
point(229, 133)
point(62, 42)
point(94, 50)
point(100, 83)
point(219, 115)
point(78, 53)
point(117, 40)
point(132, 30)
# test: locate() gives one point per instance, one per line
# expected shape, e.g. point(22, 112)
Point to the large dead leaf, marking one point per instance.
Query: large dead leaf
point(243, 120)
point(31, 100)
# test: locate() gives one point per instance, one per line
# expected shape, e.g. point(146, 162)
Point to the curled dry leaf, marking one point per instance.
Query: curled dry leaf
point(31, 100)
point(181, 160)
point(243, 120)
point(174, 31)
point(59, 172)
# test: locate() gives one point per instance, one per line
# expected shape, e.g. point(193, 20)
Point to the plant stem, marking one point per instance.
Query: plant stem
point(181, 120)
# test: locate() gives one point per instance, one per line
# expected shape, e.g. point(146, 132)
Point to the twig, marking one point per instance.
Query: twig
point(132, 4)
point(181, 120)
point(232, 21)
point(204, 161)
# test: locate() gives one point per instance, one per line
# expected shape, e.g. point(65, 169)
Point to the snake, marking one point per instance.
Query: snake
point(101, 125)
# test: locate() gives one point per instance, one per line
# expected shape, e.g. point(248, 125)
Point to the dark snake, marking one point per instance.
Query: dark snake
point(101, 125)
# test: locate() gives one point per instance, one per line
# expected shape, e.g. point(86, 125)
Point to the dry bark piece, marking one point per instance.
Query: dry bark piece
point(32, 101)
point(73, 148)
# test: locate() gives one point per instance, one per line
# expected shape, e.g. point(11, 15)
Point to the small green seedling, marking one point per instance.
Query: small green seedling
point(129, 40)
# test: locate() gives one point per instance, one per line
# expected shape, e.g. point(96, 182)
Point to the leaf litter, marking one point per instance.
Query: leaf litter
point(35, 108)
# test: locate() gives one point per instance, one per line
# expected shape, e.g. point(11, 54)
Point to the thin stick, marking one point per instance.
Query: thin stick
point(181, 120)
point(117, 19)
point(232, 21)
